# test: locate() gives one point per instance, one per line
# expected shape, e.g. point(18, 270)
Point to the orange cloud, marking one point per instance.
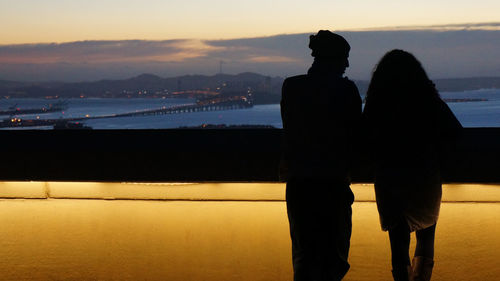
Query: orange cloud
point(266, 59)
point(106, 52)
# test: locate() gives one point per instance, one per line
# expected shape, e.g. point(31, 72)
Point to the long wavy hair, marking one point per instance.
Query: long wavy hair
point(399, 90)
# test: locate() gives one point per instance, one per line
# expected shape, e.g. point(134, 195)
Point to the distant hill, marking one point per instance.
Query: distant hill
point(265, 89)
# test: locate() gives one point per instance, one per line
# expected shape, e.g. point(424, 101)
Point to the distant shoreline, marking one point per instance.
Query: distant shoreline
point(265, 89)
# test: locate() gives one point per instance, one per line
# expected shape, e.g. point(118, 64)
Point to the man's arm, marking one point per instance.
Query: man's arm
point(284, 162)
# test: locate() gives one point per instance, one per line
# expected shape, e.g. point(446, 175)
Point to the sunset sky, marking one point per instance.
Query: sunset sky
point(68, 40)
point(34, 21)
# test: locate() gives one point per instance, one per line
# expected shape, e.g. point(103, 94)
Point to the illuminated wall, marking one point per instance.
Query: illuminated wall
point(212, 232)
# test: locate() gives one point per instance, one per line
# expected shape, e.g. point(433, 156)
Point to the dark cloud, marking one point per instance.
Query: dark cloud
point(455, 51)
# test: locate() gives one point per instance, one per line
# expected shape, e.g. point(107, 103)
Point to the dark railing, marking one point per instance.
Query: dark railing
point(197, 155)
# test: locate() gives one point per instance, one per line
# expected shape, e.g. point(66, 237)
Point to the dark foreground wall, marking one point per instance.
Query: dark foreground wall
point(196, 155)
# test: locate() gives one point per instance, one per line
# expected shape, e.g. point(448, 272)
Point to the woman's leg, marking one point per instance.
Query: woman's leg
point(399, 237)
point(425, 242)
point(424, 254)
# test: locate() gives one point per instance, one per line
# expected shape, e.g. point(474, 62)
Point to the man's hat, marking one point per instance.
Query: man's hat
point(328, 44)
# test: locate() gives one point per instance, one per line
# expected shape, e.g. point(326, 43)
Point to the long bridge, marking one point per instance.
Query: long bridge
point(210, 105)
point(215, 104)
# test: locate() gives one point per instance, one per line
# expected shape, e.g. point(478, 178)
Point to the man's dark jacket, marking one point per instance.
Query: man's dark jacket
point(319, 110)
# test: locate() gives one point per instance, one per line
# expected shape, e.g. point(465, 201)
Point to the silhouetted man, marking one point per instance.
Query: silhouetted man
point(319, 111)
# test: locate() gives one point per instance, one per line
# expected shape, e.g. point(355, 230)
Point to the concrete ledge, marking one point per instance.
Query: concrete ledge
point(168, 191)
point(240, 191)
point(209, 191)
point(28, 190)
point(471, 193)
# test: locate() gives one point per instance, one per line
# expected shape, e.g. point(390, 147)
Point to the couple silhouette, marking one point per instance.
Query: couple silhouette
point(406, 127)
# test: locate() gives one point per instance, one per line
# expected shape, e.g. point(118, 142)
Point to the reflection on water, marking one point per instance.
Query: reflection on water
point(55, 239)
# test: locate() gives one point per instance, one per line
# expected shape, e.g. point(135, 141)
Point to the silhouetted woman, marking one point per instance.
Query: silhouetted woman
point(410, 127)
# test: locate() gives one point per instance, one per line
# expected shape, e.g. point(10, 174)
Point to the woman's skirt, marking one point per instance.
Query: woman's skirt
point(415, 199)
